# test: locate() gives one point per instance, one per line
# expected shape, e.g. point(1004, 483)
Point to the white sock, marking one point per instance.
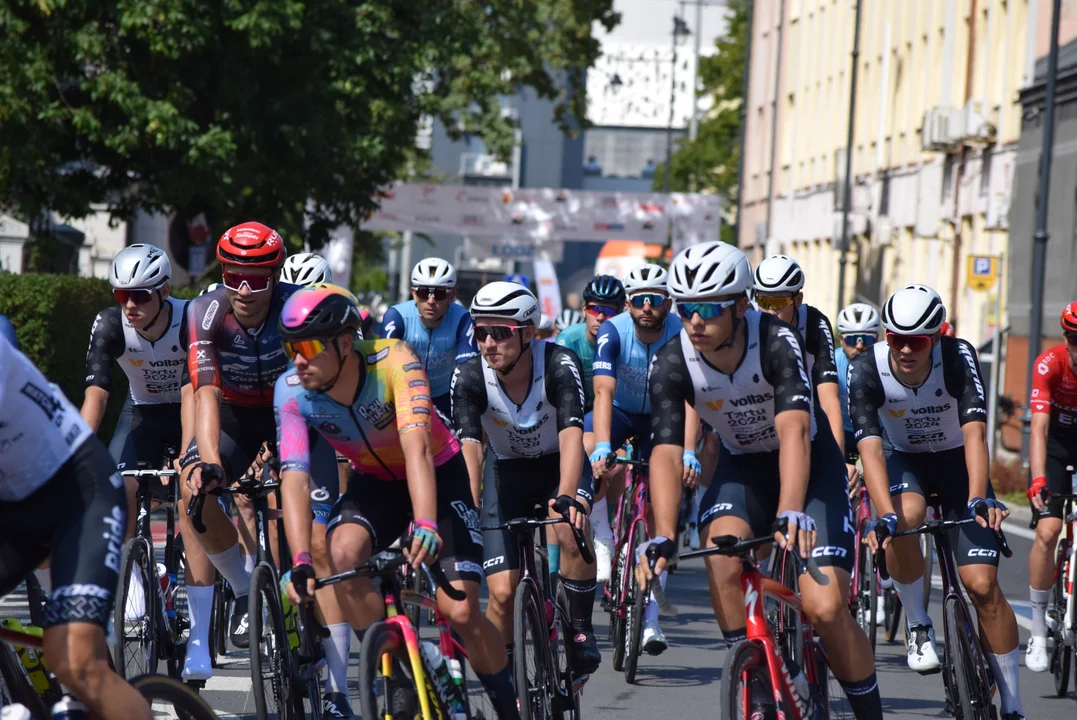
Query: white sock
point(651, 613)
point(1039, 599)
point(199, 610)
point(1006, 672)
point(600, 521)
point(230, 564)
point(912, 602)
point(44, 579)
point(136, 597)
point(249, 562)
point(337, 646)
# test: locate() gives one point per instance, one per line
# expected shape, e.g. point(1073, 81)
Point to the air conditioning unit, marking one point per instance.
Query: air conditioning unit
point(935, 134)
point(975, 125)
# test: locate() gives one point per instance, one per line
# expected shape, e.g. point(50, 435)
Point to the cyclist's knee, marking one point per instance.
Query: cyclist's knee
point(567, 542)
point(981, 584)
point(725, 571)
point(502, 591)
point(1047, 535)
point(825, 608)
point(72, 654)
point(348, 546)
point(461, 613)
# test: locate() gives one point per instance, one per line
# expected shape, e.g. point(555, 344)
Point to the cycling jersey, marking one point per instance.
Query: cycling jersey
point(818, 342)
point(524, 430)
point(8, 331)
point(923, 419)
point(39, 427)
point(393, 399)
point(620, 354)
point(440, 349)
point(154, 369)
point(244, 363)
point(841, 364)
point(741, 406)
point(578, 340)
point(1054, 391)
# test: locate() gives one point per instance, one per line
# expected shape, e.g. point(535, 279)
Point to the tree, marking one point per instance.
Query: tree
point(713, 157)
point(286, 111)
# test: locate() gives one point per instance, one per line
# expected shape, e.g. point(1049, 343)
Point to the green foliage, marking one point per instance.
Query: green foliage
point(713, 157)
point(291, 112)
point(52, 315)
point(368, 263)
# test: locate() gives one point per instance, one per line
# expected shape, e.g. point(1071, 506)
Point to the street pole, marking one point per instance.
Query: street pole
point(693, 122)
point(1039, 247)
point(996, 364)
point(774, 122)
point(672, 101)
point(847, 191)
point(745, 87)
point(404, 284)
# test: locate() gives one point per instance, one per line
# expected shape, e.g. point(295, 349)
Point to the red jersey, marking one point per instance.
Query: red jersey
point(1054, 390)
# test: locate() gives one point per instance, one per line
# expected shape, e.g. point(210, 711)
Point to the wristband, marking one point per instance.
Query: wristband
point(425, 524)
point(302, 558)
point(1036, 487)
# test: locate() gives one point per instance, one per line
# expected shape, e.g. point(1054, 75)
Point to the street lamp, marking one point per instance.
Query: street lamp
point(680, 30)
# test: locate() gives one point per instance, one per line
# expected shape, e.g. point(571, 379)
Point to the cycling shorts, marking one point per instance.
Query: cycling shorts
point(142, 433)
point(1060, 453)
point(244, 429)
point(747, 486)
point(384, 509)
point(851, 453)
point(511, 489)
point(79, 518)
point(944, 473)
point(624, 426)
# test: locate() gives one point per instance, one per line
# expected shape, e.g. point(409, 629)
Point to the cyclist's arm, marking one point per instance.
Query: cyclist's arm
point(784, 368)
point(865, 399)
point(106, 344)
point(961, 371)
point(93, 406)
point(604, 381)
point(565, 390)
point(671, 391)
point(692, 427)
point(825, 373)
point(976, 457)
point(392, 324)
point(293, 444)
point(1037, 444)
point(468, 395)
point(465, 339)
point(413, 421)
point(186, 420)
point(207, 424)
point(830, 402)
point(204, 316)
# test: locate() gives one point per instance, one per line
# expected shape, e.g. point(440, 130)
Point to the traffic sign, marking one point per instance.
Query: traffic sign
point(983, 272)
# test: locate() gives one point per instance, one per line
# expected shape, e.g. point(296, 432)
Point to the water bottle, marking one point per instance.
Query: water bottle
point(457, 673)
point(443, 679)
point(69, 709)
point(31, 659)
point(549, 620)
point(291, 614)
point(18, 711)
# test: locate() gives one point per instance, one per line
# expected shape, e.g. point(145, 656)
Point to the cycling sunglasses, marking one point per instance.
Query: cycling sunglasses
point(235, 281)
point(638, 300)
point(497, 332)
point(1071, 338)
point(916, 343)
point(309, 349)
point(705, 310)
point(866, 339)
point(425, 293)
point(140, 297)
point(601, 310)
point(769, 302)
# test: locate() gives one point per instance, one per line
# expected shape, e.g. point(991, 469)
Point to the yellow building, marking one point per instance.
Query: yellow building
point(935, 141)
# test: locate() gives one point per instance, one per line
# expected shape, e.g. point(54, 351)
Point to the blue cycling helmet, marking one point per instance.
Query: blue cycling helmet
point(605, 289)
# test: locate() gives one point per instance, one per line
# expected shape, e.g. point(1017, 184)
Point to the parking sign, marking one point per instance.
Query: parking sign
point(982, 272)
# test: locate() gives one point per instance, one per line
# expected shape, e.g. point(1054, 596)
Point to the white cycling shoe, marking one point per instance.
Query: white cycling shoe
point(1036, 658)
point(654, 640)
point(604, 559)
point(922, 656)
point(197, 665)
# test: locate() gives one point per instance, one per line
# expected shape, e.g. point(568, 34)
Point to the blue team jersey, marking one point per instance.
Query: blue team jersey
point(441, 349)
point(841, 361)
point(620, 354)
point(7, 330)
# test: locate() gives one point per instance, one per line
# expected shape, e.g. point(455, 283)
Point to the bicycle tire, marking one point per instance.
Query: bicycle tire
point(562, 663)
point(820, 685)
point(186, 703)
point(271, 676)
point(218, 626)
point(635, 600)
point(1060, 654)
point(618, 611)
point(972, 696)
point(927, 546)
point(892, 604)
point(536, 695)
point(137, 557)
point(379, 639)
point(746, 657)
point(177, 566)
point(866, 594)
point(16, 685)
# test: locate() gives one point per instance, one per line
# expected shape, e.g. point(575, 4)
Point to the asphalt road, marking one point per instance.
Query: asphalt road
point(684, 681)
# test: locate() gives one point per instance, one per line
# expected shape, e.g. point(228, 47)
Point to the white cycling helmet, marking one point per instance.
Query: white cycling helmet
point(306, 269)
point(708, 270)
point(433, 272)
point(858, 318)
point(567, 318)
point(209, 288)
point(506, 301)
point(139, 267)
point(544, 322)
point(646, 277)
point(779, 273)
point(914, 310)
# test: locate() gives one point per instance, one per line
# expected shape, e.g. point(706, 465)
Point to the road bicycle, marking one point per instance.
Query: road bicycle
point(545, 681)
point(864, 597)
point(166, 695)
point(966, 674)
point(1062, 611)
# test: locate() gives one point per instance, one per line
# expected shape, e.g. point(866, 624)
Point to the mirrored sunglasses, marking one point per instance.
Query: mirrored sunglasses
point(139, 297)
point(497, 332)
point(639, 299)
point(769, 302)
point(309, 349)
point(601, 310)
point(255, 283)
point(425, 293)
point(916, 343)
point(866, 339)
point(705, 310)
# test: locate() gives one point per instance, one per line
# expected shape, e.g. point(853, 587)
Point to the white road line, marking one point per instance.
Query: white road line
point(229, 683)
point(1021, 608)
point(1012, 528)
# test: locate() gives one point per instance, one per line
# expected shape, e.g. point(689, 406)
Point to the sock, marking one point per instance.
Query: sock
point(864, 698)
point(581, 602)
point(1039, 599)
point(554, 553)
point(230, 565)
point(1006, 672)
point(499, 687)
point(912, 602)
point(650, 615)
point(136, 596)
point(600, 521)
point(337, 646)
point(249, 561)
point(199, 610)
point(732, 637)
point(44, 579)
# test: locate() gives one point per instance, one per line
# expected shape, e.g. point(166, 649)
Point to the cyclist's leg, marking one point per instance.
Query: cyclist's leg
point(1041, 559)
point(198, 579)
point(123, 448)
point(904, 558)
point(500, 561)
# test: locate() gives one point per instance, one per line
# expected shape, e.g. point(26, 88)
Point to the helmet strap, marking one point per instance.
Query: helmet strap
point(732, 335)
point(340, 368)
point(160, 307)
point(506, 371)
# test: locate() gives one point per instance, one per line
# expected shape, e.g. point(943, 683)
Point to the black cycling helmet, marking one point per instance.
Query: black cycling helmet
point(605, 289)
point(319, 311)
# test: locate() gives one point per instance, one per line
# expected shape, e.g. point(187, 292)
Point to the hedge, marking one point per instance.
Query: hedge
point(52, 315)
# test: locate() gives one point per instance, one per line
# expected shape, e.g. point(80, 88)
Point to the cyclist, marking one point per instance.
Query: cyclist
point(7, 330)
point(566, 319)
point(1051, 447)
point(858, 326)
point(234, 359)
point(744, 372)
point(60, 495)
point(778, 290)
point(509, 391)
point(544, 329)
point(603, 297)
point(924, 390)
point(440, 331)
point(370, 400)
point(306, 269)
point(947, 330)
point(624, 349)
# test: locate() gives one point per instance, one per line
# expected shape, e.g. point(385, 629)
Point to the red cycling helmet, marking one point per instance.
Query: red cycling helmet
point(1069, 318)
point(252, 244)
point(947, 329)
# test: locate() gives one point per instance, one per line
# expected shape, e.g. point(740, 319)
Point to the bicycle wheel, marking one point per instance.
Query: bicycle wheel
point(970, 666)
point(169, 696)
point(635, 600)
point(535, 685)
point(565, 674)
point(867, 591)
point(218, 624)
point(892, 605)
point(271, 673)
point(16, 687)
point(180, 621)
point(387, 696)
point(746, 690)
point(927, 547)
point(477, 700)
point(135, 611)
point(621, 569)
point(1060, 654)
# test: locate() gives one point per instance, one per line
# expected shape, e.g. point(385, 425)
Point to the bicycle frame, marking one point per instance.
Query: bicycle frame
point(636, 494)
point(863, 518)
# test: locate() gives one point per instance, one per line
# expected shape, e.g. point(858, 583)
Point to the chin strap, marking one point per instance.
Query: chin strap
point(732, 336)
point(340, 368)
point(160, 308)
point(506, 371)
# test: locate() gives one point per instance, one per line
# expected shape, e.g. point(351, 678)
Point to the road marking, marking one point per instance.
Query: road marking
point(1021, 608)
point(1013, 528)
point(229, 683)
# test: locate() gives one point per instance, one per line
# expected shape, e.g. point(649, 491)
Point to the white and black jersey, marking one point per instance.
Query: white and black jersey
point(770, 379)
point(154, 369)
point(920, 419)
point(529, 429)
point(818, 339)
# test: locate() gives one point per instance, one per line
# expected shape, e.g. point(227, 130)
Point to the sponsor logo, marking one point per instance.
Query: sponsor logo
point(114, 535)
point(982, 552)
point(500, 559)
point(52, 407)
point(922, 423)
point(377, 357)
point(829, 551)
point(319, 494)
point(751, 400)
point(83, 590)
point(602, 365)
point(467, 566)
point(966, 353)
point(602, 340)
point(380, 414)
point(292, 380)
point(165, 363)
point(211, 312)
point(897, 413)
point(413, 366)
point(330, 428)
point(136, 363)
point(931, 409)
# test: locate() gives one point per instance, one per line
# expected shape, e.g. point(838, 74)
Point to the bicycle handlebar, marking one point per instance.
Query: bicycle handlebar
point(733, 546)
point(385, 563)
point(642, 464)
point(937, 527)
point(247, 485)
point(1046, 495)
point(519, 524)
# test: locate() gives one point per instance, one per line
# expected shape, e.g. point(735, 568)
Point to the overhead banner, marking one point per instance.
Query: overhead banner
point(510, 248)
